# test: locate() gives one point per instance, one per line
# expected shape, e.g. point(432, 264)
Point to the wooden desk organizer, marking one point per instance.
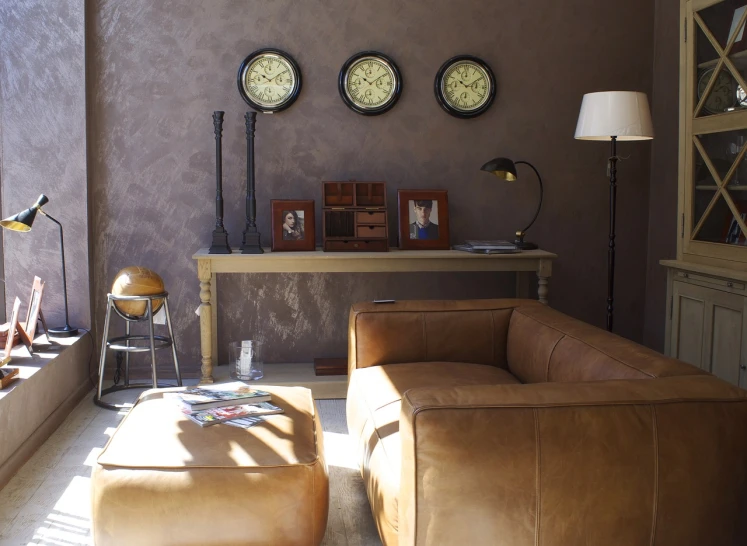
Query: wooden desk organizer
point(354, 217)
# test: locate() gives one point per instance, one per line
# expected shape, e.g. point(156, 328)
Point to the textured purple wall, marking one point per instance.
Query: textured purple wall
point(159, 69)
point(43, 115)
point(662, 239)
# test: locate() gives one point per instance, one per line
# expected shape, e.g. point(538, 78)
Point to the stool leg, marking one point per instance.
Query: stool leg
point(152, 342)
point(127, 354)
point(173, 342)
point(102, 360)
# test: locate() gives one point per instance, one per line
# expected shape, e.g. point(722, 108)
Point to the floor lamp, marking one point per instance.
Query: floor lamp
point(613, 116)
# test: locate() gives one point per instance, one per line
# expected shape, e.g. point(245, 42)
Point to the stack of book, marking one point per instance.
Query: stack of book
point(488, 247)
point(234, 404)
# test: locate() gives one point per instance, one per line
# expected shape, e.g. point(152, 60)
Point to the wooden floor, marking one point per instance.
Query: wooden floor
point(47, 502)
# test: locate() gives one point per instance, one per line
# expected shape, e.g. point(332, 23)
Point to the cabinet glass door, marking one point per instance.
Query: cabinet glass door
point(719, 206)
point(716, 172)
point(721, 58)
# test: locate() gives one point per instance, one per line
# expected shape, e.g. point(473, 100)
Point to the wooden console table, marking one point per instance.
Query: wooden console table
point(209, 265)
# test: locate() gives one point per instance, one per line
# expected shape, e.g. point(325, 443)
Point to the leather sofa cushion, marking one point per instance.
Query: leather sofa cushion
point(155, 434)
point(545, 345)
point(373, 410)
point(430, 331)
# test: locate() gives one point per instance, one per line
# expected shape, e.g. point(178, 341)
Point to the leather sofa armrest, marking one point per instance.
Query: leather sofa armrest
point(520, 461)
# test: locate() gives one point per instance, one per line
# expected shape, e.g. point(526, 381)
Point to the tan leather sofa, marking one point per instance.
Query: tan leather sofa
point(504, 422)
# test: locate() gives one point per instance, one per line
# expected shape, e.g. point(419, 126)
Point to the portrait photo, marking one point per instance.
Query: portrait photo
point(293, 225)
point(423, 219)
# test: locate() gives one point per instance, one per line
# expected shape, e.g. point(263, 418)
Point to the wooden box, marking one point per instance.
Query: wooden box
point(354, 217)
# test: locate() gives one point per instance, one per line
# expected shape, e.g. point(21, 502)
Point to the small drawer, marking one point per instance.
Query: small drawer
point(371, 232)
point(714, 281)
point(356, 246)
point(370, 217)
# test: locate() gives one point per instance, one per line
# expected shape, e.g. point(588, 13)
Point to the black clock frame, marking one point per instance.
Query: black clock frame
point(269, 109)
point(397, 84)
point(445, 104)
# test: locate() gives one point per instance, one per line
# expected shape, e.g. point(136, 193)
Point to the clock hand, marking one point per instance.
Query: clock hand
point(276, 75)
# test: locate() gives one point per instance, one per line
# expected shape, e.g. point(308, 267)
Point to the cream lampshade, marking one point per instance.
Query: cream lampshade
point(621, 114)
point(613, 116)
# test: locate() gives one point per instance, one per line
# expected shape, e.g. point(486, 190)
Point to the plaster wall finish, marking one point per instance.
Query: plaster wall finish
point(159, 69)
point(662, 238)
point(43, 150)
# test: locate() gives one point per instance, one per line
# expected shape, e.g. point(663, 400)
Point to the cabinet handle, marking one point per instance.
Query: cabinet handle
point(729, 284)
point(686, 275)
point(743, 367)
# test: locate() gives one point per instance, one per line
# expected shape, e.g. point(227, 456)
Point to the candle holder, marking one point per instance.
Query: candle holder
point(251, 241)
point(220, 235)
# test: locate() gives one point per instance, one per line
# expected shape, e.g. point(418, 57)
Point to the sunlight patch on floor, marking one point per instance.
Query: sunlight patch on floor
point(338, 450)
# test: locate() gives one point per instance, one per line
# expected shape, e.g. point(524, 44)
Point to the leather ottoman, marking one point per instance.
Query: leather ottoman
point(162, 479)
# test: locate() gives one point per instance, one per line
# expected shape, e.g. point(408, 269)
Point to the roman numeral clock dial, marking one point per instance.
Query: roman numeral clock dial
point(269, 80)
point(370, 83)
point(465, 86)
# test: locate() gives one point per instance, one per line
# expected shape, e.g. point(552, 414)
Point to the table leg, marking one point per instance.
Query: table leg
point(214, 317)
point(544, 271)
point(206, 321)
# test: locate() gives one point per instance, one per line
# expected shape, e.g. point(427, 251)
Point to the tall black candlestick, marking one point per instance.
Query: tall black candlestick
point(251, 242)
point(220, 235)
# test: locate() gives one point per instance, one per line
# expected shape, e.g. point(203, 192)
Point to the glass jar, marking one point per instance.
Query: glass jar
point(245, 360)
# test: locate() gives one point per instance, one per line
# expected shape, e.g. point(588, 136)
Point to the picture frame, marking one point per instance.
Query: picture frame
point(739, 41)
point(293, 225)
point(13, 323)
point(421, 227)
point(33, 309)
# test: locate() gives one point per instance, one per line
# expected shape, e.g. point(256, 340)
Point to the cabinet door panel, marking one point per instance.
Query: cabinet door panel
point(709, 330)
point(688, 325)
point(725, 343)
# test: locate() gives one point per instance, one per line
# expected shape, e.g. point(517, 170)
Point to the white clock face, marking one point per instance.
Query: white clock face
point(269, 80)
point(370, 83)
point(465, 86)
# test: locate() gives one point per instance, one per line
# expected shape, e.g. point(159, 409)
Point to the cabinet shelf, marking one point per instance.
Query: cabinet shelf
point(713, 187)
point(739, 59)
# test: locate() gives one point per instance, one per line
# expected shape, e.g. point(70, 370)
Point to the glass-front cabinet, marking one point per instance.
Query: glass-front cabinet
point(706, 320)
point(713, 202)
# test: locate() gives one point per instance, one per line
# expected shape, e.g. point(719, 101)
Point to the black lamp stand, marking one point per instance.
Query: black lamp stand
point(67, 330)
point(251, 241)
point(519, 241)
point(612, 168)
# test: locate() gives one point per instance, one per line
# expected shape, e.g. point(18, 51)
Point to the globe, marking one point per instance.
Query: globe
point(137, 281)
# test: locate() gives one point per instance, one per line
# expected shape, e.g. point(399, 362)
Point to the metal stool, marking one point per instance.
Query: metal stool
point(128, 344)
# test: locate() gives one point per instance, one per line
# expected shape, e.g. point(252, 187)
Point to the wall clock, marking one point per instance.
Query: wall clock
point(269, 80)
point(370, 83)
point(723, 95)
point(465, 86)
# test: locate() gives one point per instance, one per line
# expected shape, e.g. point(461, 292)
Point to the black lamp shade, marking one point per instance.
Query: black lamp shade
point(24, 219)
point(502, 167)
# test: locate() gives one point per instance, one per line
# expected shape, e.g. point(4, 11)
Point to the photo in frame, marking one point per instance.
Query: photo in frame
point(423, 219)
point(13, 324)
point(33, 310)
point(293, 225)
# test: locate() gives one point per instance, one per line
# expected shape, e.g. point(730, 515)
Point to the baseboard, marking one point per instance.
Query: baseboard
point(21, 455)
